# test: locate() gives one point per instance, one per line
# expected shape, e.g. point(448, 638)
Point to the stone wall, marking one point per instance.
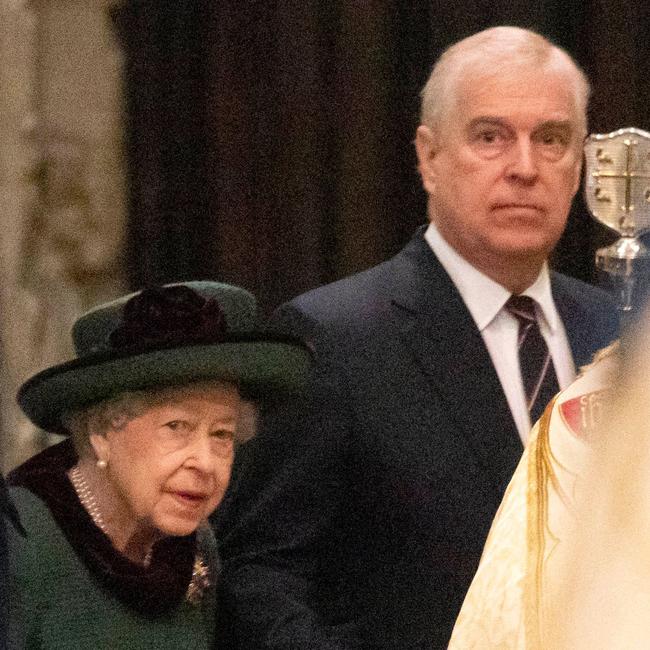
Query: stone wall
point(62, 188)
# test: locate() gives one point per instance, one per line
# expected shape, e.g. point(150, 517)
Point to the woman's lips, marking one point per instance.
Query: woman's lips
point(189, 499)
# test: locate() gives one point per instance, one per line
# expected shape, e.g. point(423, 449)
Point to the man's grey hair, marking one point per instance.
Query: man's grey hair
point(115, 412)
point(496, 52)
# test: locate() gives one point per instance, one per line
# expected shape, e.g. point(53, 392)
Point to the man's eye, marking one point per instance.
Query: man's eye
point(489, 137)
point(553, 144)
point(553, 139)
point(174, 425)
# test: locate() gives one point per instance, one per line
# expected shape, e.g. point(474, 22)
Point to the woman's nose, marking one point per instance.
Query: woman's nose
point(201, 455)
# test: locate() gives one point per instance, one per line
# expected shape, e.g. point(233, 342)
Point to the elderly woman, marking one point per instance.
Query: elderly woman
point(117, 552)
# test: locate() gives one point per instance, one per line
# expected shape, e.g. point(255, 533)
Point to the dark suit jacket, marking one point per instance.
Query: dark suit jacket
point(7, 513)
point(358, 518)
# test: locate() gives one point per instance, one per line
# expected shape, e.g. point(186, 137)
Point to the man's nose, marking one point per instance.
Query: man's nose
point(522, 165)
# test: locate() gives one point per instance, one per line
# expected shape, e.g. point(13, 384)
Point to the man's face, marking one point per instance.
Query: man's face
point(503, 171)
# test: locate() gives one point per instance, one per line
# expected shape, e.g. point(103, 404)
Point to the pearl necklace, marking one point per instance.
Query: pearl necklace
point(89, 502)
point(87, 498)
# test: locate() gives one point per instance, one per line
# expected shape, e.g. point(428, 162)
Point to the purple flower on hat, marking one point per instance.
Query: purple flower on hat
point(172, 315)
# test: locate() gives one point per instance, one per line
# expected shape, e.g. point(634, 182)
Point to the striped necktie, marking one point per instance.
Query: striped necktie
point(537, 370)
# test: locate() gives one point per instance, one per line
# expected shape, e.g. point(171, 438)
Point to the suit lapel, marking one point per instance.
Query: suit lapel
point(574, 317)
point(440, 333)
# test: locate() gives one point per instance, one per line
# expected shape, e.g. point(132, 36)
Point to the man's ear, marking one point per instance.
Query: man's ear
point(426, 148)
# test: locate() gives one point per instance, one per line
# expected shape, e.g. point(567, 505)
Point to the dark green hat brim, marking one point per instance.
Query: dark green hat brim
point(263, 367)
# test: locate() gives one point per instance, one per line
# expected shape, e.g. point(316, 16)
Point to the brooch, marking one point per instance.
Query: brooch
point(199, 583)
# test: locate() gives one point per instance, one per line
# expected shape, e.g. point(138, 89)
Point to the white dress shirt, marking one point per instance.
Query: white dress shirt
point(485, 300)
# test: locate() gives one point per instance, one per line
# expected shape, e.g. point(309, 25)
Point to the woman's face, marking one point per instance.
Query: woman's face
point(168, 468)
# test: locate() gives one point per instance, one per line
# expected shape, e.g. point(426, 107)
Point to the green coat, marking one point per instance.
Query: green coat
point(57, 604)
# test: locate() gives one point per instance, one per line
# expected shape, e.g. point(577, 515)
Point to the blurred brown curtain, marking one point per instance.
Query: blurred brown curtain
point(270, 143)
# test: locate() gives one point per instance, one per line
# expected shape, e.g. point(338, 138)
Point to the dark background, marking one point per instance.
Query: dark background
point(270, 143)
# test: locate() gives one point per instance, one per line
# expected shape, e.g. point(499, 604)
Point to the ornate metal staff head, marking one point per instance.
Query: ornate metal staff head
point(617, 192)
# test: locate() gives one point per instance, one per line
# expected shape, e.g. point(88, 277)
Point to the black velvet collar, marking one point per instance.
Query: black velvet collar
point(152, 590)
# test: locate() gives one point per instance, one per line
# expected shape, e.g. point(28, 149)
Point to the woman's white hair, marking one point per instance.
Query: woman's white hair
point(502, 52)
point(115, 413)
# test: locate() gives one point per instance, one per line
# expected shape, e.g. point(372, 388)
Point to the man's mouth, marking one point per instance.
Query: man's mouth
point(519, 207)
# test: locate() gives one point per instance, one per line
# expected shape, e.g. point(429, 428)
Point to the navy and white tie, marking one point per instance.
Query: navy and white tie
point(535, 361)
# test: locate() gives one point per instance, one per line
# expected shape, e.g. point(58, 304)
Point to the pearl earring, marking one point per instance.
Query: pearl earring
point(101, 464)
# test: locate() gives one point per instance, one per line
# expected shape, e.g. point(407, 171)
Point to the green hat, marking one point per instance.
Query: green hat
point(165, 336)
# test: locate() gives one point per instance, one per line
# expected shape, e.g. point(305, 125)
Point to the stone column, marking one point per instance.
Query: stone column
point(62, 195)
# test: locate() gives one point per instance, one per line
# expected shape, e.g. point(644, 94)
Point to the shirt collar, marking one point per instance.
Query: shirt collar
point(483, 296)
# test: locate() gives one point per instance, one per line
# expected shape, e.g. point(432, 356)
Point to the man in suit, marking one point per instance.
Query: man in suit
point(8, 514)
point(4, 568)
point(359, 516)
